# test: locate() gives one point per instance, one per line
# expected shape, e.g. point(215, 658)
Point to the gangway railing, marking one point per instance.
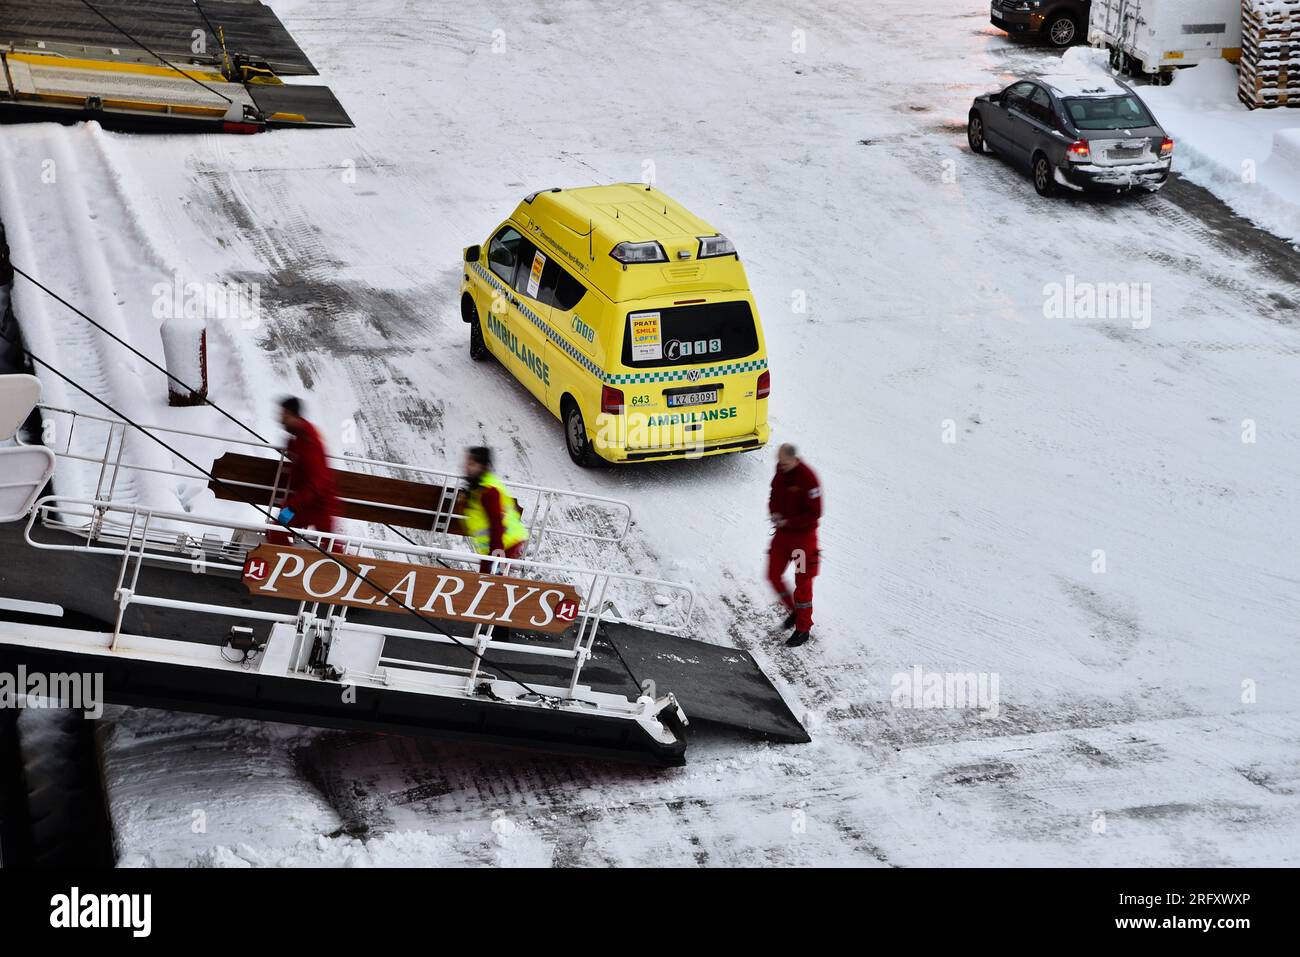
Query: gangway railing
point(141, 544)
point(548, 513)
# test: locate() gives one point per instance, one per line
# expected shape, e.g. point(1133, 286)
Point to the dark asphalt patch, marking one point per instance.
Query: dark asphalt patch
point(1235, 234)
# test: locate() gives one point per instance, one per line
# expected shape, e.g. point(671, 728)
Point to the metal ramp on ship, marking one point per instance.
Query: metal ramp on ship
point(152, 600)
point(165, 26)
point(60, 61)
point(714, 684)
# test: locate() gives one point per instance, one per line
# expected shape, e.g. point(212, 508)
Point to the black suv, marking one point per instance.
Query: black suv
point(1059, 22)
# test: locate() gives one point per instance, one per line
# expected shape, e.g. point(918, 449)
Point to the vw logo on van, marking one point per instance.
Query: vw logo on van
point(692, 375)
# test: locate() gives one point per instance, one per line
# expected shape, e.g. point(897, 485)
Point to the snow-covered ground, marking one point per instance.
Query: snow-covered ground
point(1093, 509)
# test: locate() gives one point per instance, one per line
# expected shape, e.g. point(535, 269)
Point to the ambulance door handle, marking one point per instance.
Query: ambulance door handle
point(514, 301)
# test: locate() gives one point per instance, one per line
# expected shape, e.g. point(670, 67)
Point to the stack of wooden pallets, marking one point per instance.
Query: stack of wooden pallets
point(1269, 71)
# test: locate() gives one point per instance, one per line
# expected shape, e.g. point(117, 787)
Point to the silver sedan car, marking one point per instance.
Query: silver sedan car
point(1073, 132)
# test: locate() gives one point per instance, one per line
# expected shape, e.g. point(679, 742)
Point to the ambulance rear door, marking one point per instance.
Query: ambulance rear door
point(690, 372)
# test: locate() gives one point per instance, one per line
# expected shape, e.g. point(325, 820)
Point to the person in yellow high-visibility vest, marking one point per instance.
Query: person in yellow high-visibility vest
point(492, 518)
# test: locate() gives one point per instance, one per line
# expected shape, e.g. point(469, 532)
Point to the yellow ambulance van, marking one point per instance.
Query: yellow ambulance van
point(628, 317)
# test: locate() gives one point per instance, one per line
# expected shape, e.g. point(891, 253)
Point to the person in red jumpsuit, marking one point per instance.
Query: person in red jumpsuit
point(795, 505)
point(312, 500)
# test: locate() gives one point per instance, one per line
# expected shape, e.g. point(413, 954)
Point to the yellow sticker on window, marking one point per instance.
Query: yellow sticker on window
point(646, 340)
point(535, 277)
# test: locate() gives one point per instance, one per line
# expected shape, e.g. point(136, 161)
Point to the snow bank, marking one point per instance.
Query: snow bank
point(1084, 60)
point(1248, 158)
point(1281, 171)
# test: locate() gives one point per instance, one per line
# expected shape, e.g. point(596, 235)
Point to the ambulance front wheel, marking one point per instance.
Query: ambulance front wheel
point(478, 350)
point(575, 436)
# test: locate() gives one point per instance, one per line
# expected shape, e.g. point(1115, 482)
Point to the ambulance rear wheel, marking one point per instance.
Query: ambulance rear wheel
point(478, 350)
point(575, 436)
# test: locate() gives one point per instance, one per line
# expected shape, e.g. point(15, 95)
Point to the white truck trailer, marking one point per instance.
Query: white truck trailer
point(1157, 36)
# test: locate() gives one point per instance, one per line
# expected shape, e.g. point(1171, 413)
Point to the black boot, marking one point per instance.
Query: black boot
point(797, 639)
point(789, 622)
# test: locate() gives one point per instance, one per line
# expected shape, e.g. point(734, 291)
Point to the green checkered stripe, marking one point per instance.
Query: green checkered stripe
point(491, 280)
point(637, 378)
point(572, 351)
point(620, 378)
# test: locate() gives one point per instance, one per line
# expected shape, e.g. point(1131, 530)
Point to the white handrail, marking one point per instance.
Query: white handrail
point(539, 511)
point(127, 591)
point(132, 514)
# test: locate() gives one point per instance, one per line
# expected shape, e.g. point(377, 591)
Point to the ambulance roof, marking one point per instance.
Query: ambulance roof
point(585, 225)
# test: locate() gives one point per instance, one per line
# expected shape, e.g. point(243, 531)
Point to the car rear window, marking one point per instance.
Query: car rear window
point(1108, 112)
point(689, 335)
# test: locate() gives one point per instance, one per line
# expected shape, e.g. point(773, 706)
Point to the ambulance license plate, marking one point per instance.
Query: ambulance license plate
point(703, 397)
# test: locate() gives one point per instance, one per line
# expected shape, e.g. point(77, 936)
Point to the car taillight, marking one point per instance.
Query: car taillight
point(611, 401)
point(1167, 148)
point(1078, 150)
point(764, 384)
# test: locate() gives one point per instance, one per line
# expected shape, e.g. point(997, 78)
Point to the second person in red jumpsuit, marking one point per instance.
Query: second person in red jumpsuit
point(312, 500)
point(795, 506)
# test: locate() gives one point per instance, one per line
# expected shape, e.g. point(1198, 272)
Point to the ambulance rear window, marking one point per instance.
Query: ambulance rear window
point(689, 335)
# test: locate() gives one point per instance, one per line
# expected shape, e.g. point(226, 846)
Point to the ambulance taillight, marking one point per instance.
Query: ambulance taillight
point(611, 400)
point(764, 384)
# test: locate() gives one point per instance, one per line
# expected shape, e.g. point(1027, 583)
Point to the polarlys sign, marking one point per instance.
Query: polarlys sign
point(306, 575)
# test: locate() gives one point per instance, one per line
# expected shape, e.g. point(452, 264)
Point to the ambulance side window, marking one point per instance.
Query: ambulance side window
point(524, 274)
point(568, 292)
point(549, 274)
point(555, 287)
point(559, 289)
point(503, 253)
